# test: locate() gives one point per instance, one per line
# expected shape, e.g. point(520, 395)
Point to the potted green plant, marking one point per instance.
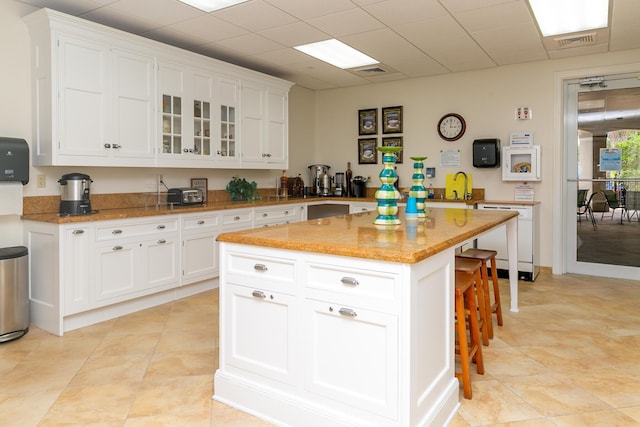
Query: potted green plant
point(241, 189)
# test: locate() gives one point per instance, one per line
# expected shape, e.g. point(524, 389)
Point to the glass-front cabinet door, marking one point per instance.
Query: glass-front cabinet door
point(201, 128)
point(227, 145)
point(171, 124)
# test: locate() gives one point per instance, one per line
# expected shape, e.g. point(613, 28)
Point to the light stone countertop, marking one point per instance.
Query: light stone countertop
point(356, 236)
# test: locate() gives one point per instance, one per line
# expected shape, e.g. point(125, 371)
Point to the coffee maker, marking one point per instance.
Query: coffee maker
point(320, 180)
point(75, 197)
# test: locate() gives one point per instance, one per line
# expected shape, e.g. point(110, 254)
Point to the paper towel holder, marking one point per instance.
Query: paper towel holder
point(14, 160)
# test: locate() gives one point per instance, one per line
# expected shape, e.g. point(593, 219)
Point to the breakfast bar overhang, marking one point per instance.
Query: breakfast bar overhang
point(339, 322)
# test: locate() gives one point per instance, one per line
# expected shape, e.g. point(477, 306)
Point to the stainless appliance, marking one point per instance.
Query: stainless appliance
point(320, 180)
point(14, 293)
point(360, 186)
point(339, 184)
point(185, 196)
point(75, 194)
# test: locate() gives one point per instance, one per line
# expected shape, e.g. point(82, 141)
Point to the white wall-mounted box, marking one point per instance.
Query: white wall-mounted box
point(521, 163)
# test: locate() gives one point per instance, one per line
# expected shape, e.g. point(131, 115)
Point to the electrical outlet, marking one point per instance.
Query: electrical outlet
point(42, 181)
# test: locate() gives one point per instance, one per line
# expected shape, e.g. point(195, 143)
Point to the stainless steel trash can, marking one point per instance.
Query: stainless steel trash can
point(14, 293)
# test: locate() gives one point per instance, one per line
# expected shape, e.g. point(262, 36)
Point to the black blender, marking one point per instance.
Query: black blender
point(75, 195)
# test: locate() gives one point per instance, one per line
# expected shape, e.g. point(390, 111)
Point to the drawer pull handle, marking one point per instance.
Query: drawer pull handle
point(258, 294)
point(349, 281)
point(116, 146)
point(286, 212)
point(161, 227)
point(347, 312)
point(201, 222)
point(236, 218)
point(116, 232)
point(260, 267)
point(117, 248)
point(77, 232)
point(161, 241)
point(264, 215)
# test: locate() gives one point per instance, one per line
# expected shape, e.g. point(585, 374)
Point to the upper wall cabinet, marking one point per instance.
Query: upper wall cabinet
point(93, 99)
point(264, 127)
point(103, 97)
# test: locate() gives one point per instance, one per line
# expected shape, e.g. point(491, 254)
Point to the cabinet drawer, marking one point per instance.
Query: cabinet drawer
point(200, 222)
point(125, 230)
point(361, 287)
point(280, 215)
point(267, 272)
point(237, 219)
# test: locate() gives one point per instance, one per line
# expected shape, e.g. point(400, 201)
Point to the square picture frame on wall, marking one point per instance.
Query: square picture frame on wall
point(368, 121)
point(394, 141)
point(392, 119)
point(367, 151)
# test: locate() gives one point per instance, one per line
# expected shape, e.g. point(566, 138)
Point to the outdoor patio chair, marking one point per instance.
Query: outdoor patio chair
point(613, 203)
point(584, 207)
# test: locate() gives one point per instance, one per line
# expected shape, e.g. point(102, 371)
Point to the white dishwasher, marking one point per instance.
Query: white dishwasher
point(528, 239)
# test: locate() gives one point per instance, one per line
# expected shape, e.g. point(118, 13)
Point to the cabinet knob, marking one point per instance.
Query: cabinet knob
point(117, 248)
point(201, 222)
point(236, 218)
point(116, 232)
point(260, 267)
point(77, 232)
point(349, 281)
point(258, 294)
point(347, 312)
point(107, 145)
point(161, 227)
point(264, 215)
point(286, 212)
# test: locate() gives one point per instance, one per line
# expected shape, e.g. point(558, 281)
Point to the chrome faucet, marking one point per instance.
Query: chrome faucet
point(466, 194)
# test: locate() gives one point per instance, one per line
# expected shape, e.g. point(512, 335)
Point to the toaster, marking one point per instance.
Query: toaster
point(185, 196)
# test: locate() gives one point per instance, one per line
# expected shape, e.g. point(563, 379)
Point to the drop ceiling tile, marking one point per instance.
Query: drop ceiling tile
point(174, 37)
point(122, 21)
point(306, 9)
point(396, 12)
point(208, 27)
point(157, 13)
point(295, 34)
point(464, 5)
point(282, 56)
point(248, 44)
point(72, 7)
point(347, 22)
point(446, 42)
point(579, 51)
point(255, 16)
point(502, 15)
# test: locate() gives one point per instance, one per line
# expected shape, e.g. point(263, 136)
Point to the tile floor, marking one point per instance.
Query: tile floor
point(568, 358)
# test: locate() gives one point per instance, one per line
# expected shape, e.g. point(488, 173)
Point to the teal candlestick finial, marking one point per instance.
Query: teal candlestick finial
point(387, 195)
point(418, 189)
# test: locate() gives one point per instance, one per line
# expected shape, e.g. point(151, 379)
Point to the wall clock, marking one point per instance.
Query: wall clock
point(451, 127)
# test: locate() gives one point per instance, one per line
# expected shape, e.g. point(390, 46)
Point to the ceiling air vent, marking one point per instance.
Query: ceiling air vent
point(576, 40)
point(372, 70)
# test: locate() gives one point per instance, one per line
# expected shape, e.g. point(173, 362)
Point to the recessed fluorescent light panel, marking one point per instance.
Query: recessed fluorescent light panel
point(569, 16)
point(211, 5)
point(336, 53)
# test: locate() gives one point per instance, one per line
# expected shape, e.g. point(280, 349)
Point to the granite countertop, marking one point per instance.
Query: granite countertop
point(136, 212)
point(356, 236)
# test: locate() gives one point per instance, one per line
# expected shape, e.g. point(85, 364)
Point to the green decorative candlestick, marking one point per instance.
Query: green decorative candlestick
point(387, 195)
point(418, 190)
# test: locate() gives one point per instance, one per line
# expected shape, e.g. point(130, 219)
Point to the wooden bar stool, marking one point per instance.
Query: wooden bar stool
point(488, 256)
point(466, 311)
point(473, 267)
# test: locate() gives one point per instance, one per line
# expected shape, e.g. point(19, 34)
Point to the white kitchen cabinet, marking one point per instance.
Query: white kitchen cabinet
point(199, 246)
point(134, 257)
point(357, 207)
point(274, 215)
point(264, 126)
point(227, 146)
point(528, 239)
point(262, 324)
point(103, 97)
point(76, 241)
point(93, 98)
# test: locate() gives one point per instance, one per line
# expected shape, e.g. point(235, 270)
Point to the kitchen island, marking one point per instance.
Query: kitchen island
point(338, 322)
